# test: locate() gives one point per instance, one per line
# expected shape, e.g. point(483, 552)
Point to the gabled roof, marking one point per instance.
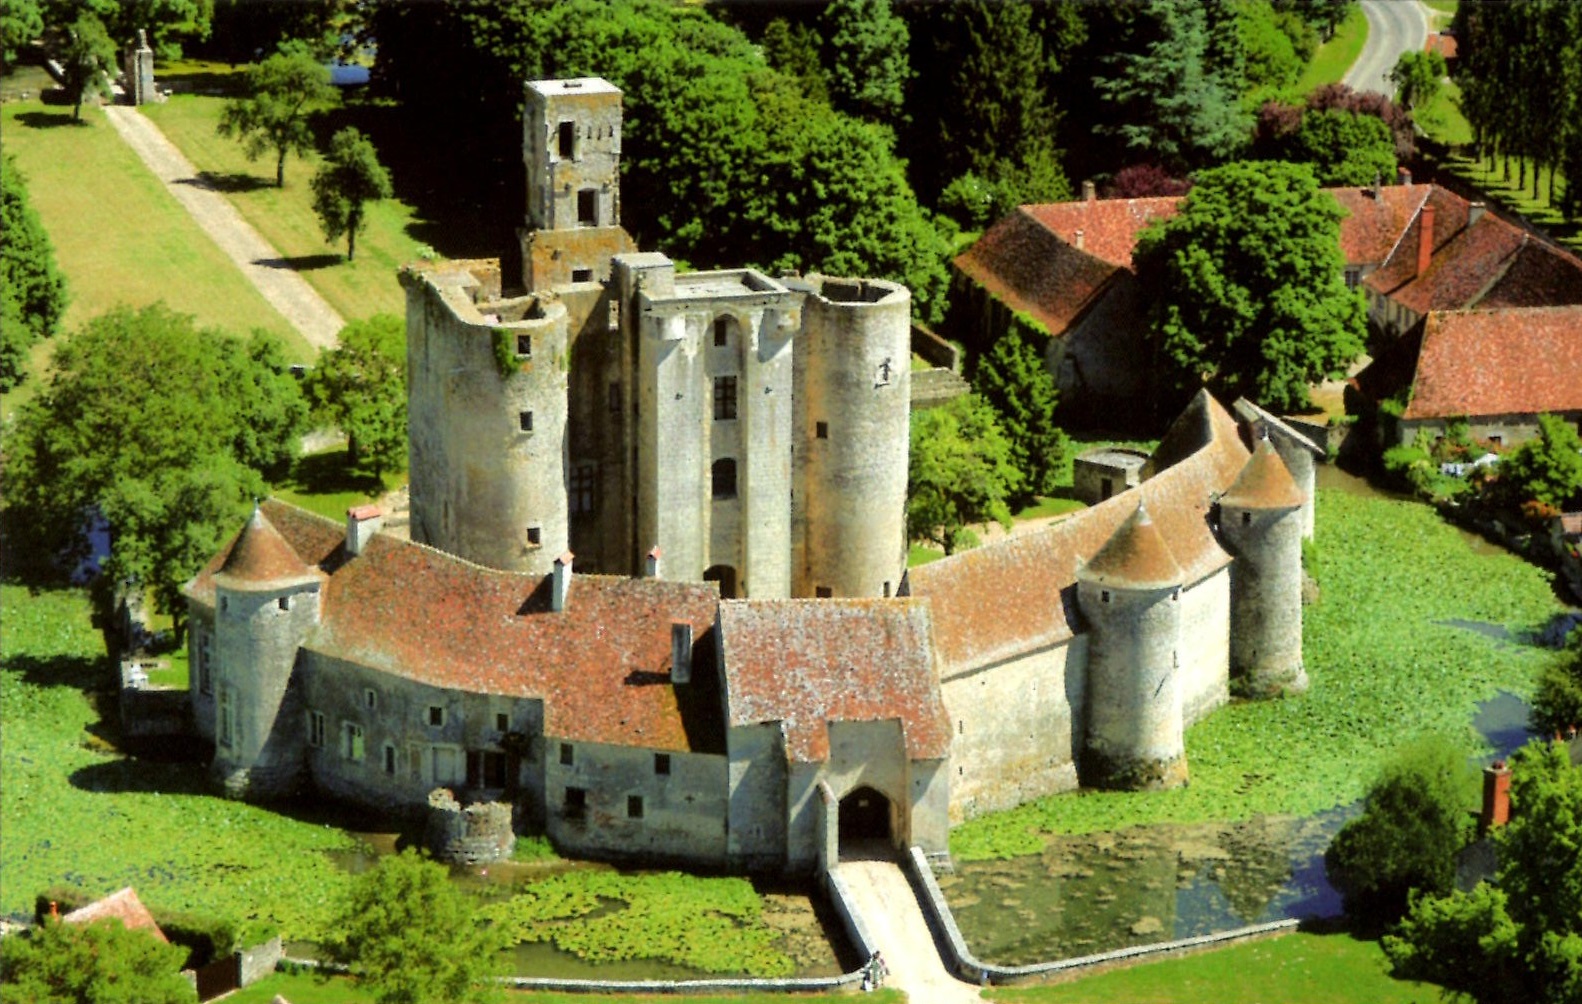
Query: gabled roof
point(261, 557)
point(1498, 362)
point(1014, 596)
point(124, 906)
point(601, 666)
point(805, 663)
point(1135, 557)
point(1264, 483)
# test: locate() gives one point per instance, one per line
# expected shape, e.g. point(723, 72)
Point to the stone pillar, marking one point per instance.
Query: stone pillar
point(140, 89)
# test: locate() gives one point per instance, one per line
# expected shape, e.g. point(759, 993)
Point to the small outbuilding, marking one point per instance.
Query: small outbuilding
point(1105, 471)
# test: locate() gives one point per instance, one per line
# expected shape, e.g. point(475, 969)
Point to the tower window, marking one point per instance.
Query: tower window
point(722, 332)
point(567, 756)
point(662, 764)
point(524, 419)
point(568, 139)
point(284, 602)
point(581, 493)
point(576, 802)
point(1104, 596)
point(582, 274)
point(724, 398)
point(502, 722)
point(1246, 519)
point(535, 536)
point(436, 716)
point(370, 698)
point(723, 476)
point(390, 767)
point(588, 208)
point(524, 345)
point(634, 806)
point(821, 430)
point(316, 728)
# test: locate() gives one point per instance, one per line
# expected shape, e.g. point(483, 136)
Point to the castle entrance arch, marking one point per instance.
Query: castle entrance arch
point(725, 575)
point(864, 818)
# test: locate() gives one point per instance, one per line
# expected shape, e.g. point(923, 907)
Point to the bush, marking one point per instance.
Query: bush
point(1557, 702)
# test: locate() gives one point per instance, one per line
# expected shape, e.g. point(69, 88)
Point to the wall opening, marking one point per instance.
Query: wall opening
point(864, 818)
point(725, 575)
point(567, 139)
point(588, 207)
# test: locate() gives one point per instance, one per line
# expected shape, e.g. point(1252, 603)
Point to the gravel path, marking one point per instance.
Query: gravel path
point(287, 291)
point(889, 909)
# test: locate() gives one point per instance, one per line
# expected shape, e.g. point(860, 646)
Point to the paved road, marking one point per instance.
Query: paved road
point(889, 909)
point(1394, 27)
point(290, 294)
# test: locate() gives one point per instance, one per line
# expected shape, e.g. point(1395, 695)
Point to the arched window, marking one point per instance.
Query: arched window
point(724, 478)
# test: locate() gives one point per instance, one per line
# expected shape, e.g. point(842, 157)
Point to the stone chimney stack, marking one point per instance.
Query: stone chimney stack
point(1475, 211)
point(560, 582)
point(1425, 239)
point(651, 564)
point(680, 652)
point(1090, 192)
point(1496, 797)
point(362, 522)
point(1405, 176)
point(1081, 239)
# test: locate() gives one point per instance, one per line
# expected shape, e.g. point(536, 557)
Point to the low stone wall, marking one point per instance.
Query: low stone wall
point(960, 960)
point(259, 961)
point(151, 711)
point(479, 834)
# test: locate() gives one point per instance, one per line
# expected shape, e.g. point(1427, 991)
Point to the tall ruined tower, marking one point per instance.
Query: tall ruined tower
point(1130, 594)
point(266, 600)
point(1261, 524)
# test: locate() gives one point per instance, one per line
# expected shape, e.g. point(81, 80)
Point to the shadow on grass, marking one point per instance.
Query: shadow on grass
point(79, 672)
point(330, 474)
point(302, 262)
point(48, 120)
point(229, 182)
point(139, 775)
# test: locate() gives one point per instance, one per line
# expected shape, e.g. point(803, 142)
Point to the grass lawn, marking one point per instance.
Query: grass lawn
point(1047, 507)
point(119, 237)
point(1335, 56)
point(1399, 588)
point(1294, 969)
point(322, 483)
point(285, 217)
point(308, 989)
point(1441, 118)
point(920, 554)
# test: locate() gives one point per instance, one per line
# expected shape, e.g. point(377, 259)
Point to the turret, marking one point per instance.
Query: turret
point(267, 601)
point(1130, 595)
point(1261, 524)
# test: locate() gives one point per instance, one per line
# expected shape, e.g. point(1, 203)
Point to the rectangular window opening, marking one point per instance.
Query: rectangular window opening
point(587, 215)
point(722, 332)
point(390, 760)
point(485, 769)
point(567, 139)
point(316, 729)
point(502, 722)
point(823, 592)
point(524, 345)
point(662, 764)
point(582, 274)
point(352, 741)
point(436, 716)
point(567, 757)
point(576, 802)
point(535, 536)
point(370, 699)
point(581, 488)
point(634, 806)
point(524, 419)
point(615, 397)
point(724, 398)
point(284, 602)
point(821, 430)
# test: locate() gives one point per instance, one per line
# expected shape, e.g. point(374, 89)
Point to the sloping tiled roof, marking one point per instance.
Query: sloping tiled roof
point(1109, 226)
point(1014, 596)
point(123, 906)
point(805, 663)
point(1030, 269)
point(601, 666)
point(1498, 362)
point(1135, 557)
point(1376, 219)
point(261, 556)
point(1264, 483)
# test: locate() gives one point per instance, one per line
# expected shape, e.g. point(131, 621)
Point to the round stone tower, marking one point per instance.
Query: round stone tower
point(1130, 595)
point(267, 601)
point(1261, 525)
point(487, 405)
point(852, 413)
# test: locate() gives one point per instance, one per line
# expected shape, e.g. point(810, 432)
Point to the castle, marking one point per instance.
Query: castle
point(749, 675)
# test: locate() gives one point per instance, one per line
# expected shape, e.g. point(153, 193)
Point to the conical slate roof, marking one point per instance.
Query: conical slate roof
point(1264, 483)
point(1136, 557)
point(261, 557)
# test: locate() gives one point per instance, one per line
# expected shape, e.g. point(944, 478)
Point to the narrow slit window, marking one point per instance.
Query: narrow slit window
point(524, 421)
point(821, 430)
point(524, 345)
point(567, 139)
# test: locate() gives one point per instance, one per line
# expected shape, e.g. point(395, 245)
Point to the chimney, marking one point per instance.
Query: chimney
point(1090, 192)
point(651, 568)
point(362, 522)
point(1425, 238)
point(1475, 211)
point(1404, 176)
point(1080, 239)
point(560, 582)
point(1496, 797)
point(680, 652)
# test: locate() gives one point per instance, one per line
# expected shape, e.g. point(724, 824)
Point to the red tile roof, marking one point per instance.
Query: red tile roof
point(1264, 483)
point(1498, 362)
point(123, 906)
point(1376, 219)
point(1442, 43)
point(1109, 226)
point(601, 666)
point(261, 557)
point(805, 663)
point(1034, 272)
point(1135, 557)
point(1013, 596)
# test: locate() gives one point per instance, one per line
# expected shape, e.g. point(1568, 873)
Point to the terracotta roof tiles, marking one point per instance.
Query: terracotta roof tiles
point(1498, 362)
point(261, 556)
point(1135, 557)
point(124, 906)
point(1264, 483)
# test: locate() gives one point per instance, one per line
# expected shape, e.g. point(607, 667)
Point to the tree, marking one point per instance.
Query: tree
point(1012, 377)
point(360, 385)
point(959, 472)
point(1342, 98)
point(21, 21)
point(868, 58)
point(1416, 77)
point(165, 21)
point(98, 963)
point(283, 89)
point(792, 48)
point(350, 178)
point(1520, 940)
point(1413, 823)
point(1546, 469)
point(1344, 148)
point(87, 57)
point(1248, 286)
point(161, 428)
point(410, 937)
point(33, 292)
point(1557, 700)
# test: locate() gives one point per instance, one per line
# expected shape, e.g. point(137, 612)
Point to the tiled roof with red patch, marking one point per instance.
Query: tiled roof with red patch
point(1498, 362)
point(1109, 226)
point(1265, 483)
point(1008, 598)
point(124, 906)
point(1031, 270)
point(260, 556)
point(1441, 42)
point(806, 663)
point(1375, 219)
point(1135, 557)
point(601, 666)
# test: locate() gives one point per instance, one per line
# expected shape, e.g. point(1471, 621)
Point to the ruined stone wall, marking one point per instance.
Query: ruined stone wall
point(487, 417)
point(853, 400)
point(480, 833)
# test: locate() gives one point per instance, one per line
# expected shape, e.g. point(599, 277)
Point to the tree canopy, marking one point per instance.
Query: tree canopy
point(98, 963)
point(160, 427)
point(1249, 290)
point(410, 937)
point(1012, 377)
point(32, 291)
point(1344, 148)
point(21, 21)
point(87, 59)
point(1546, 469)
point(283, 89)
point(868, 64)
point(1557, 700)
point(167, 22)
point(351, 178)
point(360, 385)
point(1416, 77)
point(959, 472)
